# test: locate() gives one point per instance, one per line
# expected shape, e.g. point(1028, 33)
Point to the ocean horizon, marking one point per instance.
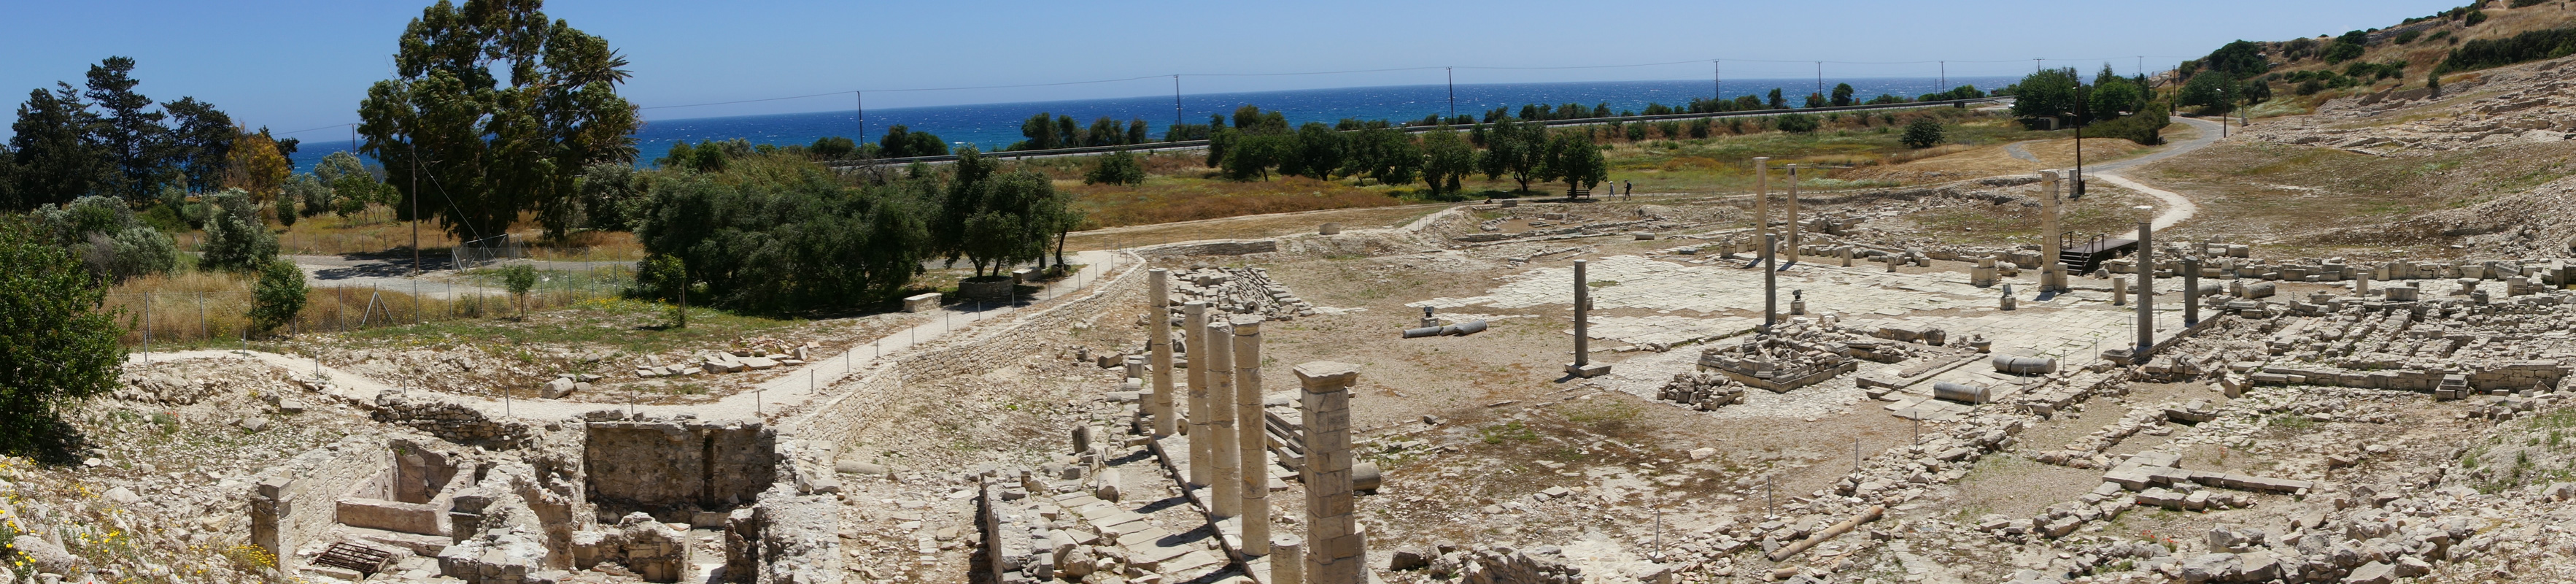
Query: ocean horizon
point(994, 126)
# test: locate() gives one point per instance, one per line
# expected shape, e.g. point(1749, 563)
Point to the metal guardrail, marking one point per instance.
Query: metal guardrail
point(1196, 144)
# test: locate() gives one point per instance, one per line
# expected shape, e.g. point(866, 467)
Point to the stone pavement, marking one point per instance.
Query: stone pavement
point(778, 394)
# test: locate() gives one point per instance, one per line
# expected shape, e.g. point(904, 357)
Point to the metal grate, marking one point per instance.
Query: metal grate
point(365, 560)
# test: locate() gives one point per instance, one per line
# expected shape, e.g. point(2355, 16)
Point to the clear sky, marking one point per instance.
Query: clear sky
point(299, 65)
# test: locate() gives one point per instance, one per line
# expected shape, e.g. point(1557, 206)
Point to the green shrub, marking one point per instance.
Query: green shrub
point(61, 345)
point(1800, 123)
point(1117, 168)
point(2521, 48)
point(235, 236)
point(1923, 133)
point(109, 240)
point(2141, 127)
point(279, 295)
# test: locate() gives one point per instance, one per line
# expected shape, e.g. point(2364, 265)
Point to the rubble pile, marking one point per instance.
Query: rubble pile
point(1782, 362)
point(1701, 391)
point(1237, 291)
point(2087, 452)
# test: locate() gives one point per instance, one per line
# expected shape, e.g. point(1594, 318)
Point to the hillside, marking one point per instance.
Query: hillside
point(2302, 73)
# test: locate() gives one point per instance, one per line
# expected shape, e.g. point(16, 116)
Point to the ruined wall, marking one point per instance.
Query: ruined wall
point(672, 468)
point(451, 421)
point(292, 503)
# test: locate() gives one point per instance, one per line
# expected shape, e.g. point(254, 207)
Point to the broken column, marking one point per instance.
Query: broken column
point(1194, 324)
point(1762, 199)
point(1771, 282)
point(1582, 365)
point(1336, 551)
point(2146, 284)
point(2119, 290)
point(1250, 439)
point(1984, 274)
point(1793, 214)
point(2190, 290)
point(2052, 275)
point(1224, 480)
point(1159, 342)
point(1847, 255)
point(2361, 282)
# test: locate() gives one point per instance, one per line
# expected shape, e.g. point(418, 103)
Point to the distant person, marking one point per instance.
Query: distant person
point(1629, 187)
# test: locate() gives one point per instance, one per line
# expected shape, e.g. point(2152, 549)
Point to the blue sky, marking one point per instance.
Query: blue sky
point(299, 65)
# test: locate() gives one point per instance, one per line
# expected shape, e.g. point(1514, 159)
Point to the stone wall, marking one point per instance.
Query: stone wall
point(673, 468)
point(294, 502)
point(450, 421)
point(1226, 247)
point(2512, 376)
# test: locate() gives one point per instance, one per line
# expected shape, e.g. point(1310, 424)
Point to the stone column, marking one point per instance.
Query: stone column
point(1250, 438)
point(1582, 365)
point(2361, 282)
point(2052, 275)
point(1336, 551)
point(1160, 342)
point(1225, 477)
point(1793, 214)
point(1762, 199)
point(1202, 456)
point(1771, 282)
point(2190, 290)
point(1287, 561)
point(2146, 289)
point(2119, 290)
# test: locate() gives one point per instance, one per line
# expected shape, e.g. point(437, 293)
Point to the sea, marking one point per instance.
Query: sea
point(994, 126)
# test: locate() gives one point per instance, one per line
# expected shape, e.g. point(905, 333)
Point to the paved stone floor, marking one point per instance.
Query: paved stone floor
point(1700, 299)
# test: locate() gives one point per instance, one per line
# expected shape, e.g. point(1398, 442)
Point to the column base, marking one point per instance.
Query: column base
point(1587, 370)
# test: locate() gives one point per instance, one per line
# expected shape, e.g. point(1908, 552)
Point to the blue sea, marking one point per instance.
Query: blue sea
point(993, 126)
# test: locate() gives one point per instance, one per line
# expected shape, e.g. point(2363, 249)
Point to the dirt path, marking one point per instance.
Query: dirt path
point(2177, 207)
point(2017, 151)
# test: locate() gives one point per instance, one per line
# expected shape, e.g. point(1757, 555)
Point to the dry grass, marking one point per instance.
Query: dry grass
point(1246, 227)
point(1167, 200)
point(2314, 196)
point(205, 308)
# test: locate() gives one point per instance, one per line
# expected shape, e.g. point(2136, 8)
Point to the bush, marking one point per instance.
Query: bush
point(2521, 48)
point(235, 236)
point(659, 277)
point(111, 242)
point(61, 344)
point(1117, 168)
point(1800, 123)
point(1923, 133)
point(2142, 127)
point(279, 296)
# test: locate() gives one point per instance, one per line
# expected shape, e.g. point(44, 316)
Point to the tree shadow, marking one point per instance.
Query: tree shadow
point(45, 439)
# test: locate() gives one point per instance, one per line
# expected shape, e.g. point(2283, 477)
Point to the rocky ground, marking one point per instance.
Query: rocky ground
point(159, 494)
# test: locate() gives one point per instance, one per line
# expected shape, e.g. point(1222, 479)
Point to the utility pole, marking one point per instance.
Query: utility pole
point(863, 117)
point(2034, 65)
point(1945, 78)
point(1453, 92)
point(1820, 77)
point(1717, 79)
point(1176, 103)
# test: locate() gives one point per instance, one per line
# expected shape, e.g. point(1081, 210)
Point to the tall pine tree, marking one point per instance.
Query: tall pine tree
point(130, 133)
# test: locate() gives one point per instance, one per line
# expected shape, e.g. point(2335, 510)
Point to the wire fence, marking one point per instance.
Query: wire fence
point(489, 250)
point(220, 316)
